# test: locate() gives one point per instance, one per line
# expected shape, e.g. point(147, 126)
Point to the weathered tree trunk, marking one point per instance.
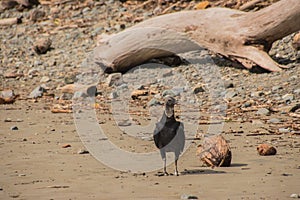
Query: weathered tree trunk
point(237, 35)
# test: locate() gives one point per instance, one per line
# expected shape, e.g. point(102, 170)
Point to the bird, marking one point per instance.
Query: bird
point(169, 134)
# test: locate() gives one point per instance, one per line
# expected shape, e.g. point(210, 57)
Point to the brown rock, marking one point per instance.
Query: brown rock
point(37, 14)
point(41, 46)
point(66, 146)
point(266, 150)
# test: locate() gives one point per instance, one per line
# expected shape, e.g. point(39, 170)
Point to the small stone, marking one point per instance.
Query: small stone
point(283, 130)
point(228, 84)
point(8, 120)
point(247, 104)
point(137, 93)
point(297, 91)
point(83, 151)
point(37, 14)
point(41, 46)
point(14, 128)
point(296, 41)
point(276, 87)
point(230, 94)
point(1, 189)
point(37, 92)
point(66, 146)
point(274, 120)
point(45, 79)
point(113, 95)
point(257, 94)
point(263, 111)
point(288, 97)
point(295, 196)
point(139, 87)
point(178, 90)
point(168, 93)
point(66, 96)
point(198, 89)
point(188, 196)
point(114, 79)
point(153, 102)
point(124, 123)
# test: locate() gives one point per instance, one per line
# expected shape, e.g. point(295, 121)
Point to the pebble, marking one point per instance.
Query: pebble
point(276, 87)
point(230, 94)
point(124, 123)
point(153, 102)
point(274, 120)
point(263, 111)
point(168, 93)
point(297, 91)
point(1, 189)
point(45, 79)
point(257, 94)
point(8, 120)
point(198, 89)
point(37, 92)
point(283, 130)
point(14, 128)
point(83, 151)
point(114, 95)
point(114, 79)
point(295, 196)
point(288, 97)
point(188, 196)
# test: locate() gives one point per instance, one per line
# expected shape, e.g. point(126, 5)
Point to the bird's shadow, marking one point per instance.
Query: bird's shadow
point(238, 165)
point(201, 171)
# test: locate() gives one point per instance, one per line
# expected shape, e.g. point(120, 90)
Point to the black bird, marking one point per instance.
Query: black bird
point(169, 134)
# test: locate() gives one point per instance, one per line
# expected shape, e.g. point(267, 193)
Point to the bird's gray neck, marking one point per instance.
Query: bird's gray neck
point(169, 111)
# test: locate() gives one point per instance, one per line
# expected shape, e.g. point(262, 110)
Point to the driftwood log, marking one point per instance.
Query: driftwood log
point(245, 37)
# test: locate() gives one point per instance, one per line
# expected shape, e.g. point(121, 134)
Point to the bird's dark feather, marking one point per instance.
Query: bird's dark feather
point(165, 131)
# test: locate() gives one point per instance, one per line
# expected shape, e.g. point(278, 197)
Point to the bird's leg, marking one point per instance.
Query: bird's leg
point(165, 167)
point(176, 170)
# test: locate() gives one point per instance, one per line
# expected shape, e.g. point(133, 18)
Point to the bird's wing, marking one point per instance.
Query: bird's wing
point(181, 136)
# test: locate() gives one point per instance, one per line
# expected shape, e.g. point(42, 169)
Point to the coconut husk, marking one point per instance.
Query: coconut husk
point(215, 152)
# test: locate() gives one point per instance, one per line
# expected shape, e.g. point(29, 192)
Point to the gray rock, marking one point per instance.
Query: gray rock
point(66, 96)
point(168, 93)
point(297, 91)
point(113, 95)
point(283, 130)
point(45, 79)
point(263, 111)
point(230, 94)
point(14, 128)
point(114, 79)
point(124, 123)
point(274, 120)
point(178, 90)
point(91, 91)
point(288, 97)
point(139, 87)
point(276, 87)
point(257, 94)
point(153, 102)
point(247, 104)
point(37, 92)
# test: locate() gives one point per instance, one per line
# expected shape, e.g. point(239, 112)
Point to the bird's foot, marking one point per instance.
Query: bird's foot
point(176, 173)
point(166, 174)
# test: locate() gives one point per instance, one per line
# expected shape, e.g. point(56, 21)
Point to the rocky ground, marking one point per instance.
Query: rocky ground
point(43, 156)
